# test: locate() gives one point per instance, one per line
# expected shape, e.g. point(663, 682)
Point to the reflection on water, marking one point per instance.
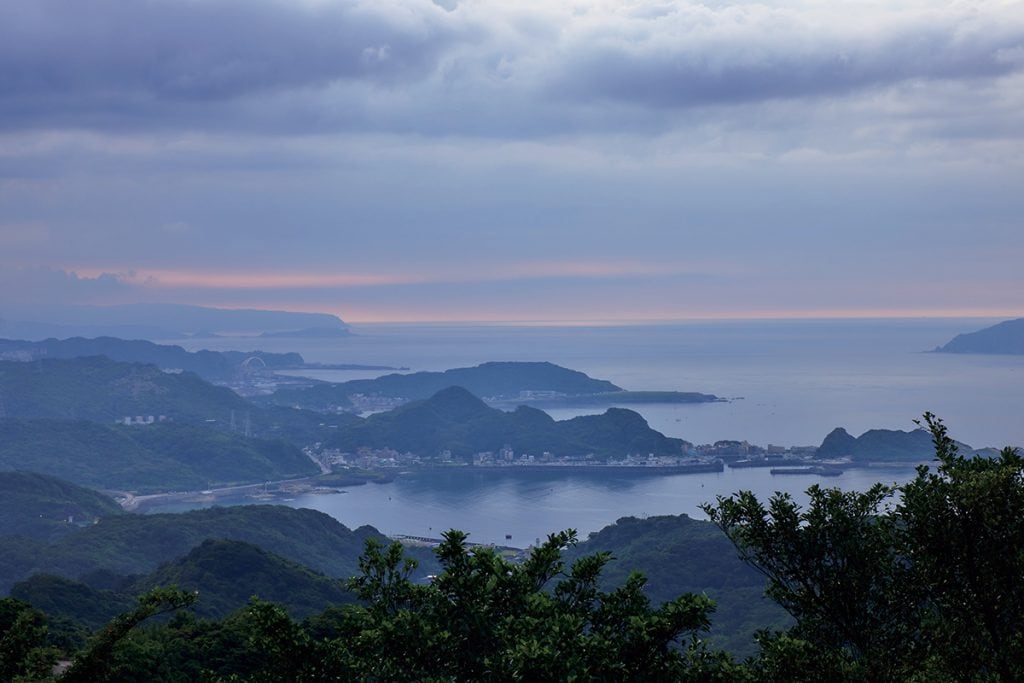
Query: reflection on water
point(531, 505)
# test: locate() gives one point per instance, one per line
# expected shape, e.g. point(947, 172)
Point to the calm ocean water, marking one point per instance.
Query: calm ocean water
point(790, 383)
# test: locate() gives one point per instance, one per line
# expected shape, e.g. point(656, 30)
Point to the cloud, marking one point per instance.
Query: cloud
point(22, 288)
point(475, 68)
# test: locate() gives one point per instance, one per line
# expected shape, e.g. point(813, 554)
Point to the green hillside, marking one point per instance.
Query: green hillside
point(227, 573)
point(44, 507)
point(157, 457)
point(138, 544)
point(99, 389)
point(678, 555)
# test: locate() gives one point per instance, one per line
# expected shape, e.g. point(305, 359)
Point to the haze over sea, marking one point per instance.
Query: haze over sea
point(790, 381)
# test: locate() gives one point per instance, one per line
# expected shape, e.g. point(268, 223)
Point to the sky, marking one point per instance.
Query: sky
point(528, 160)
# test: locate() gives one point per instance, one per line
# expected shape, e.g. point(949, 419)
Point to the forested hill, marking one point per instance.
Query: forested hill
point(39, 506)
point(455, 420)
point(157, 457)
point(207, 364)
point(1006, 337)
point(881, 445)
point(502, 384)
point(99, 389)
point(678, 555)
point(138, 544)
point(489, 380)
point(226, 574)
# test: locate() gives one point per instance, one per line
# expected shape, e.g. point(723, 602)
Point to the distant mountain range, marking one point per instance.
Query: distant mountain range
point(161, 321)
point(210, 365)
point(498, 383)
point(455, 420)
point(1004, 338)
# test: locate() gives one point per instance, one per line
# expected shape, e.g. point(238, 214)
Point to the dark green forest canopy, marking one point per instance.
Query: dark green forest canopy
point(920, 581)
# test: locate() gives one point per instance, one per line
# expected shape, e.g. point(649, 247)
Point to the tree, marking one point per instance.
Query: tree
point(24, 654)
point(921, 580)
point(487, 618)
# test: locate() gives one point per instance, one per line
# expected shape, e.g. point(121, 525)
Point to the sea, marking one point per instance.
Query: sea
point(788, 383)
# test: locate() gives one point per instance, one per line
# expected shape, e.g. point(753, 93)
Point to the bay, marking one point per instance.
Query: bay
point(789, 383)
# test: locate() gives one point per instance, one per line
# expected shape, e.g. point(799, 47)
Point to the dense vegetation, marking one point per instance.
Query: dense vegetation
point(456, 420)
point(167, 456)
point(925, 585)
point(44, 507)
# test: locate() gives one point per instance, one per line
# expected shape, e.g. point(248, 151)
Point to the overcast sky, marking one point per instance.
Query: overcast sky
point(519, 160)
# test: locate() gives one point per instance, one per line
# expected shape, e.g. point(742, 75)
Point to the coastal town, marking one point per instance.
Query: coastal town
point(692, 459)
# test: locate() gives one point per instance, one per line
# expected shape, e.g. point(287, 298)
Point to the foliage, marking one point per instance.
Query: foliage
point(24, 654)
point(481, 618)
point(925, 586)
point(92, 665)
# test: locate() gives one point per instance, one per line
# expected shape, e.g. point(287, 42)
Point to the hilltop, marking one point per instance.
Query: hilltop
point(1006, 337)
point(44, 507)
point(455, 420)
point(224, 573)
point(881, 445)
